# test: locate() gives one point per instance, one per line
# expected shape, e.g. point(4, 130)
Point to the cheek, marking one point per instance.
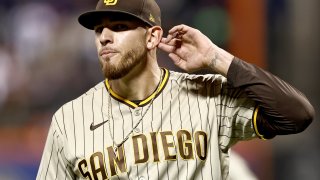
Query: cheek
point(130, 41)
point(123, 41)
point(97, 43)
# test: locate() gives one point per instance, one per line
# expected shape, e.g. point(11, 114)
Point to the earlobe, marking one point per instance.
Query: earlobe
point(150, 45)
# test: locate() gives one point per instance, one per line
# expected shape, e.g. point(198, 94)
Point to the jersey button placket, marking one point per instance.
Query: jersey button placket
point(137, 113)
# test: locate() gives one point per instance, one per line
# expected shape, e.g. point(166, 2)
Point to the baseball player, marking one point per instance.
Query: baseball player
point(146, 122)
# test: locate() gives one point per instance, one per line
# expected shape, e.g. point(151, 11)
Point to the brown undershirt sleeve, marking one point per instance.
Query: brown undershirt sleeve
point(282, 108)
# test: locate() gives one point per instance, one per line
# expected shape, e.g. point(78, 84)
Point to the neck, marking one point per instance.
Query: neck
point(140, 83)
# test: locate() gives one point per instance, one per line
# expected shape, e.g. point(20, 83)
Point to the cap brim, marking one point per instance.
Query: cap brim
point(92, 18)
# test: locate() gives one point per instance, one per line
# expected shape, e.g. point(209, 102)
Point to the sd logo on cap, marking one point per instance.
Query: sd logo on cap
point(110, 2)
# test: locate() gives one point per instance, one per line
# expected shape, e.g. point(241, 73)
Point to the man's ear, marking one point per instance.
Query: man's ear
point(154, 36)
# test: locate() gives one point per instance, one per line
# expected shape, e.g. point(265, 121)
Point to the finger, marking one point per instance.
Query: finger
point(166, 48)
point(170, 37)
point(178, 61)
point(172, 42)
point(175, 58)
point(179, 29)
point(163, 39)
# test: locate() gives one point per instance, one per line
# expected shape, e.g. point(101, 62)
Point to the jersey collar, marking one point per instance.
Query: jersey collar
point(145, 101)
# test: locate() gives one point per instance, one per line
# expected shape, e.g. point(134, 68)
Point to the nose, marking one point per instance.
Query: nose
point(106, 36)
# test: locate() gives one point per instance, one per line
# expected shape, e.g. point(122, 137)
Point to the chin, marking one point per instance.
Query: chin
point(114, 73)
point(114, 76)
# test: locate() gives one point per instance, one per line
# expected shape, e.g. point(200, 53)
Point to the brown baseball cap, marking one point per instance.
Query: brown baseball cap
point(146, 10)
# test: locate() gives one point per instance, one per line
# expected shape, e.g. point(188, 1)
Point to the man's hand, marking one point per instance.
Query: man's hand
point(191, 50)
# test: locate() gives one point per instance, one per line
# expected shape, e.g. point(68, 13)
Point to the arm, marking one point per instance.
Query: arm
point(282, 108)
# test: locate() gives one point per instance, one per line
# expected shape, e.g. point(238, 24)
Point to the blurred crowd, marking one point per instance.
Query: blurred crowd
point(47, 59)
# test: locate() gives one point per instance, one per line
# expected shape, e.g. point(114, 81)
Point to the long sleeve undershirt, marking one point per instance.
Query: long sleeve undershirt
point(282, 108)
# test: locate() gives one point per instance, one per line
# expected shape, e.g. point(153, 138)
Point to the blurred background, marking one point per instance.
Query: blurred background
point(47, 59)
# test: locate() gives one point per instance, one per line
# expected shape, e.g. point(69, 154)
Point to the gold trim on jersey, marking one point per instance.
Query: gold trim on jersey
point(145, 101)
point(255, 123)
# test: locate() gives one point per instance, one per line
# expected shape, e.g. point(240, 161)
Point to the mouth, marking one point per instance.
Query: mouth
point(107, 53)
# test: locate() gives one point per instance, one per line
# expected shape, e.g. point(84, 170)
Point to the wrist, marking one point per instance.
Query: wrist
point(220, 61)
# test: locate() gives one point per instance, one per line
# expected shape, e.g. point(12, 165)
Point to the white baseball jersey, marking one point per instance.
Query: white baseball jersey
point(185, 133)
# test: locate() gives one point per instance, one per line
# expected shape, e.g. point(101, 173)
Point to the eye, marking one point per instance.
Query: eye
point(98, 30)
point(120, 27)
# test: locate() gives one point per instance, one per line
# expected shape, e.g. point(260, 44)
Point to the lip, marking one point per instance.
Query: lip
point(106, 52)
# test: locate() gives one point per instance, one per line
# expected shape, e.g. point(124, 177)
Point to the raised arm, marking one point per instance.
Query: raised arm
point(282, 108)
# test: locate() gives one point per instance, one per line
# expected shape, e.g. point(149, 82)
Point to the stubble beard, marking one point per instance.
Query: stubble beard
point(128, 61)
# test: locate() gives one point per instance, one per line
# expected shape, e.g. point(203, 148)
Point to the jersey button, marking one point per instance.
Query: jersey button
point(137, 130)
point(141, 178)
point(137, 112)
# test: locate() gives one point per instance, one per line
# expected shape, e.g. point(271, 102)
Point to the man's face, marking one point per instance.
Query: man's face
point(121, 45)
